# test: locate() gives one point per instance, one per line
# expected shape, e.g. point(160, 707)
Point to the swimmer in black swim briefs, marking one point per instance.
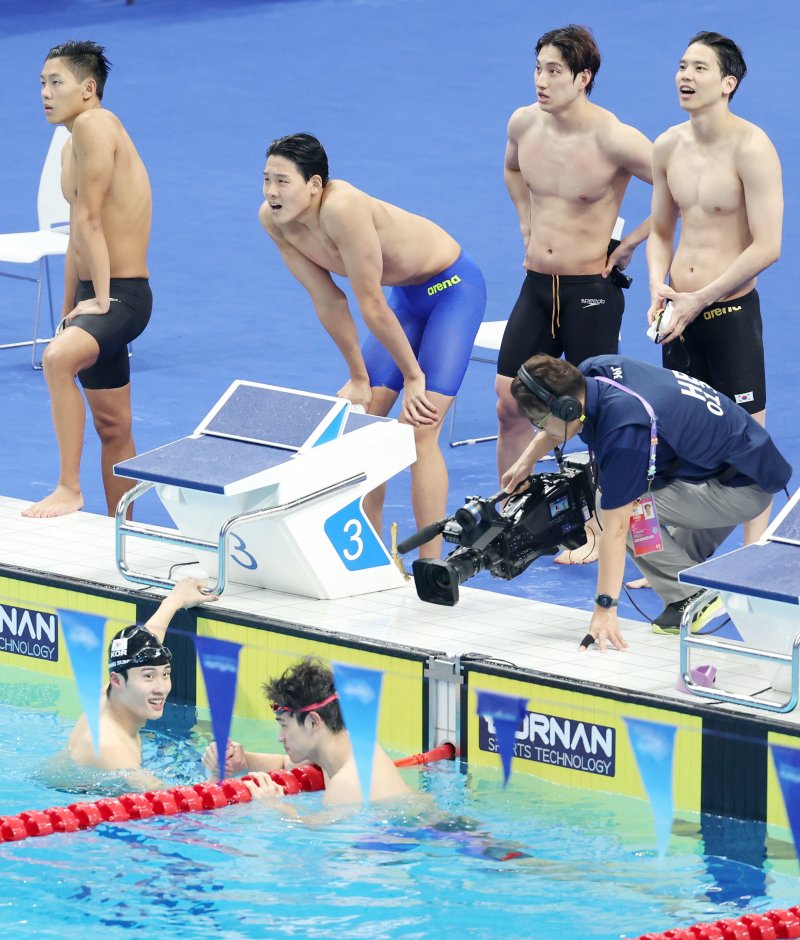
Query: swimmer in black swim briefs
point(128, 315)
point(576, 316)
point(723, 346)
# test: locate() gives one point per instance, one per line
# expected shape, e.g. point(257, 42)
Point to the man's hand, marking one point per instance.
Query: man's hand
point(685, 308)
point(417, 409)
point(189, 593)
point(357, 391)
point(262, 787)
point(620, 256)
point(604, 628)
point(92, 306)
point(516, 473)
point(235, 760)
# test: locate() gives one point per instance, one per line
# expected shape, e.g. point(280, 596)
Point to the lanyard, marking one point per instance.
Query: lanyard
point(651, 467)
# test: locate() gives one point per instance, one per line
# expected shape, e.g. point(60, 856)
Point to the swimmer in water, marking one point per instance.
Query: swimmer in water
point(139, 667)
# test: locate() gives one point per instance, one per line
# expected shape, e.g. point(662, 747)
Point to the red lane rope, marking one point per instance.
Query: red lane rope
point(774, 925)
point(84, 815)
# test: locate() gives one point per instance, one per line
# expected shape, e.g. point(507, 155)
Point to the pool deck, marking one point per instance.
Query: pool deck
point(526, 634)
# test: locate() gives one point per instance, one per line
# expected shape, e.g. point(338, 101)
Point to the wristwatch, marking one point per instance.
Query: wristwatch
point(606, 601)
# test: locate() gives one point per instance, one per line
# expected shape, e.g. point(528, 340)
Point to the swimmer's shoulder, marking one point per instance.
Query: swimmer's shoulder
point(666, 142)
point(96, 125)
point(342, 203)
point(751, 141)
point(523, 120)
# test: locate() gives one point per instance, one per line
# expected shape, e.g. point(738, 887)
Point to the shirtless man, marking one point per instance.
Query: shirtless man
point(107, 299)
point(722, 176)
point(568, 163)
point(307, 710)
point(138, 686)
point(421, 339)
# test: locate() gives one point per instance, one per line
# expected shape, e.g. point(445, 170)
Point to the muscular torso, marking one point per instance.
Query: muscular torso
point(706, 186)
point(127, 206)
point(413, 248)
point(575, 189)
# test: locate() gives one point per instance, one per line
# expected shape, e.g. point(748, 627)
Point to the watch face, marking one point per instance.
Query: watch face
point(604, 600)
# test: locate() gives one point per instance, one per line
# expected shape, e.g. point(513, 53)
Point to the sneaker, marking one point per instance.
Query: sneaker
point(668, 622)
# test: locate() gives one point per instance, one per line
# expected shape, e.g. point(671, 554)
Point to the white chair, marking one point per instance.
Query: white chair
point(488, 338)
point(51, 239)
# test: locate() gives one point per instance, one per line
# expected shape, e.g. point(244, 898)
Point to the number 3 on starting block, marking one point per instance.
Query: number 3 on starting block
point(354, 539)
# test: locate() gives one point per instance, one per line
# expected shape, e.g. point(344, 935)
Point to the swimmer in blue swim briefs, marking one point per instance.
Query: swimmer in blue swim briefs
point(420, 338)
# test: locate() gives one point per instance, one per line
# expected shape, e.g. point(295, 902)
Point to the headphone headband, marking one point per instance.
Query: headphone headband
point(563, 407)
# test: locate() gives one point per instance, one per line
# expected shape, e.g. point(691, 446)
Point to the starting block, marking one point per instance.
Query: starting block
point(760, 588)
point(268, 491)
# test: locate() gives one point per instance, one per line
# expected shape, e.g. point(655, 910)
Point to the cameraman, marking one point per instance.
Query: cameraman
point(653, 433)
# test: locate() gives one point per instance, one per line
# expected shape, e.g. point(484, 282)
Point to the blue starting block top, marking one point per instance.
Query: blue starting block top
point(206, 463)
point(252, 428)
point(770, 569)
point(275, 417)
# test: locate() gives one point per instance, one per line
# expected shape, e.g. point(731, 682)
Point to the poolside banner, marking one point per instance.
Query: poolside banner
point(219, 661)
point(506, 714)
point(787, 766)
point(653, 746)
point(84, 637)
point(359, 692)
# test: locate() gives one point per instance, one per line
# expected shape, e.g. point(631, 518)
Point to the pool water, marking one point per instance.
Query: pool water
point(584, 863)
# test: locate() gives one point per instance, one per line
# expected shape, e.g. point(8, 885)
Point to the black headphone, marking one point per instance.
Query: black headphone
point(563, 407)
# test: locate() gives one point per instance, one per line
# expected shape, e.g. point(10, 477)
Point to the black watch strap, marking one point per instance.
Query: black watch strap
point(606, 601)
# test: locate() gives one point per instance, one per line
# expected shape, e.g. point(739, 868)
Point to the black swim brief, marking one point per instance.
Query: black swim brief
point(724, 347)
point(577, 315)
point(128, 315)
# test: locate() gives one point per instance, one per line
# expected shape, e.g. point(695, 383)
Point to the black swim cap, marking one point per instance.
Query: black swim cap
point(136, 646)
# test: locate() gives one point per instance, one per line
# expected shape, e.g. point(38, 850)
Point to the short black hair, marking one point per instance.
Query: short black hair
point(86, 60)
point(305, 151)
point(303, 684)
point(729, 55)
point(578, 47)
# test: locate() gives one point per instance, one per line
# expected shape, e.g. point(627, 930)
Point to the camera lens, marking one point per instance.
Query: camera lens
point(469, 515)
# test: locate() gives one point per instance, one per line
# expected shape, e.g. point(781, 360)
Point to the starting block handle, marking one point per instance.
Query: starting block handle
point(709, 643)
point(124, 528)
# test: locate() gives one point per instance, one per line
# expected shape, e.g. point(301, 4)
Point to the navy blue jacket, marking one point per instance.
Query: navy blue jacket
point(701, 432)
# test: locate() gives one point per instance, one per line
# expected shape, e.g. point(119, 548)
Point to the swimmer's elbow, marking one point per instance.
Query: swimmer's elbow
point(88, 222)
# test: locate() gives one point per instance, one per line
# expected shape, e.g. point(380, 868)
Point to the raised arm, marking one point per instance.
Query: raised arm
point(186, 593)
point(93, 150)
point(348, 223)
point(515, 184)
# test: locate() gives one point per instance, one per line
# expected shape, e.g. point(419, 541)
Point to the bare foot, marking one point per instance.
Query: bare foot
point(578, 556)
point(637, 583)
point(59, 503)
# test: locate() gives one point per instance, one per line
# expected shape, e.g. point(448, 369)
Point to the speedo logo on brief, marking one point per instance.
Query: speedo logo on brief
point(591, 301)
point(720, 311)
point(443, 285)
